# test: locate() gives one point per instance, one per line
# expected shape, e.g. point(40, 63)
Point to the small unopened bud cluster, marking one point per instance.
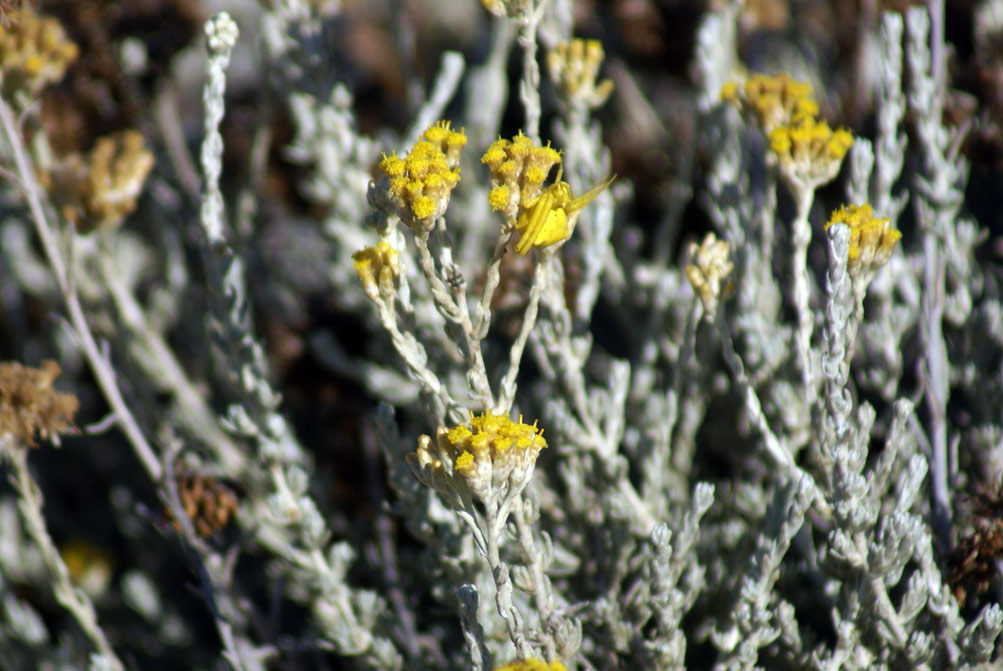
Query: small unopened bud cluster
point(708, 269)
point(492, 460)
point(518, 168)
point(574, 66)
point(872, 240)
point(34, 52)
point(30, 407)
point(98, 190)
point(422, 183)
point(378, 268)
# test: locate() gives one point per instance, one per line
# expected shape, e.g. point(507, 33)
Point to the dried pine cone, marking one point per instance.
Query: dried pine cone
point(208, 503)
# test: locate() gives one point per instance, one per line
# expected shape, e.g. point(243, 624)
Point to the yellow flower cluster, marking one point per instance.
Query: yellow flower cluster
point(422, 183)
point(532, 664)
point(574, 65)
point(491, 460)
point(872, 240)
point(810, 152)
point(518, 168)
point(378, 268)
point(708, 270)
point(34, 52)
point(775, 100)
point(98, 190)
point(543, 215)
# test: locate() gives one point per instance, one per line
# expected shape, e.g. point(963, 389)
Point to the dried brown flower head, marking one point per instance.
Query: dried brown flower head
point(208, 503)
point(972, 564)
point(29, 405)
point(98, 190)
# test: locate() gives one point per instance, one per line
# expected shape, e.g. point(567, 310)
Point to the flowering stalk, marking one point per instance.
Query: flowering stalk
point(573, 66)
point(682, 459)
point(69, 597)
point(529, 87)
point(451, 302)
point(563, 364)
point(103, 372)
point(870, 242)
point(508, 384)
point(413, 355)
point(490, 462)
point(492, 277)
point(503, 586)
point(530, 554)
point(941, 195)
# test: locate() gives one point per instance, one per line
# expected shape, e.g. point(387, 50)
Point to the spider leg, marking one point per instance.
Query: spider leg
point(537, 217)
point(581, 201)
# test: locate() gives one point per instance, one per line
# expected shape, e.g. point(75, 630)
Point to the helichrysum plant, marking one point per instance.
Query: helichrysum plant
point(513, 335)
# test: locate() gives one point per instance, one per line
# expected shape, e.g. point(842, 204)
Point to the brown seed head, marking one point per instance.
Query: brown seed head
point(29, 406)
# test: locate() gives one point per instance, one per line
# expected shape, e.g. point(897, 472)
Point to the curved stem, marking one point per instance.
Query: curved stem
point(452, 306)
point(508, 385)
point(503, 588)
point(103, 372)
point(529, 87)
point(542, 593)
point(69, 597)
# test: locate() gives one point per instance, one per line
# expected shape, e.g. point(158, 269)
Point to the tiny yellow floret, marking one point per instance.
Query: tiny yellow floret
point(465, 462)
point(392, 165)
point(498, 198)
point(447, 140)
point(773, 100)
point(423, 207)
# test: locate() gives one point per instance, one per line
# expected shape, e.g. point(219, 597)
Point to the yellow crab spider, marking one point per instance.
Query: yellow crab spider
point(547, 217)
